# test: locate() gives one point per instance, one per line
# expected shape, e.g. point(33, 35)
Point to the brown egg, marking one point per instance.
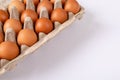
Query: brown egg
point(3, 16)
point(29, 13)
point(16, 0)
point(72, 6)
point(1, 37)
point(63, 1)
point(45, 3)
point(59, 15)
point(26, 37)
point(43, 25)
point(18, 4)
point(14, 24)
point(34, 1)
point(8, 50)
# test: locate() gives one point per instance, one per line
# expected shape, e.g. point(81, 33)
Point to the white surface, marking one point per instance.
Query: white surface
point(88, 50)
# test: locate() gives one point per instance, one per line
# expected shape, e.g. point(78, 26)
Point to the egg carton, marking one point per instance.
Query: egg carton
point(10, 35)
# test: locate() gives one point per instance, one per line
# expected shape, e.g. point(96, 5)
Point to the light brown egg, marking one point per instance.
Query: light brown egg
point(34, 1)
point(18, 4)
point(72, 6)
point(8, 50)
point(43, 25)
point(1, 37)
point(3, 16)
point(14, 24)
point(26, 37)
point(59, 15)
point(63, 1)
point(45, 3)
point(29, 13)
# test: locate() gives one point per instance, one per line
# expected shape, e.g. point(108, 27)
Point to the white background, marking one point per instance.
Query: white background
point(89, 49)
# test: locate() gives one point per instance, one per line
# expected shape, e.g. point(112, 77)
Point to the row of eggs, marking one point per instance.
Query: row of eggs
point(10, 50)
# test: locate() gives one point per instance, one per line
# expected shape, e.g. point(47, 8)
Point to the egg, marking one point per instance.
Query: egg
point(14, 24)
point(1, 37)
point(34, 1)
point(15, 0)
point(43, 25)
point(72, 6)
point(29, 13)
point(45, 3)
point(63, 1)
point(59, 15)
point(3, 16)
point(18, 4)
point(8, 50)
point(27, 37)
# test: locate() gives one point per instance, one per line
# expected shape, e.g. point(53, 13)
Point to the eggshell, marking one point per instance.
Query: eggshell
point(34, 1)
point(18, 4)
point(72, 6)
point(63, 1)
point(14, 24)
point(8, 50)
point(29, 13)
point(45, 3)
point(3, 16)
point(26, 37)
point(1, 37)
point(59, 15)
point(43, 25)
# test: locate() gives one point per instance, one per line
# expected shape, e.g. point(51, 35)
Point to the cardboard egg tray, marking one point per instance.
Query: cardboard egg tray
point(6, 65)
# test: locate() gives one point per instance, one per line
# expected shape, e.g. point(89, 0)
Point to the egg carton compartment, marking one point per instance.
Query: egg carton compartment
point(10, 35)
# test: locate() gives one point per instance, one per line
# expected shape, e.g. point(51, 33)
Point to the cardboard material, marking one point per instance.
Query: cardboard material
point(43, 38)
